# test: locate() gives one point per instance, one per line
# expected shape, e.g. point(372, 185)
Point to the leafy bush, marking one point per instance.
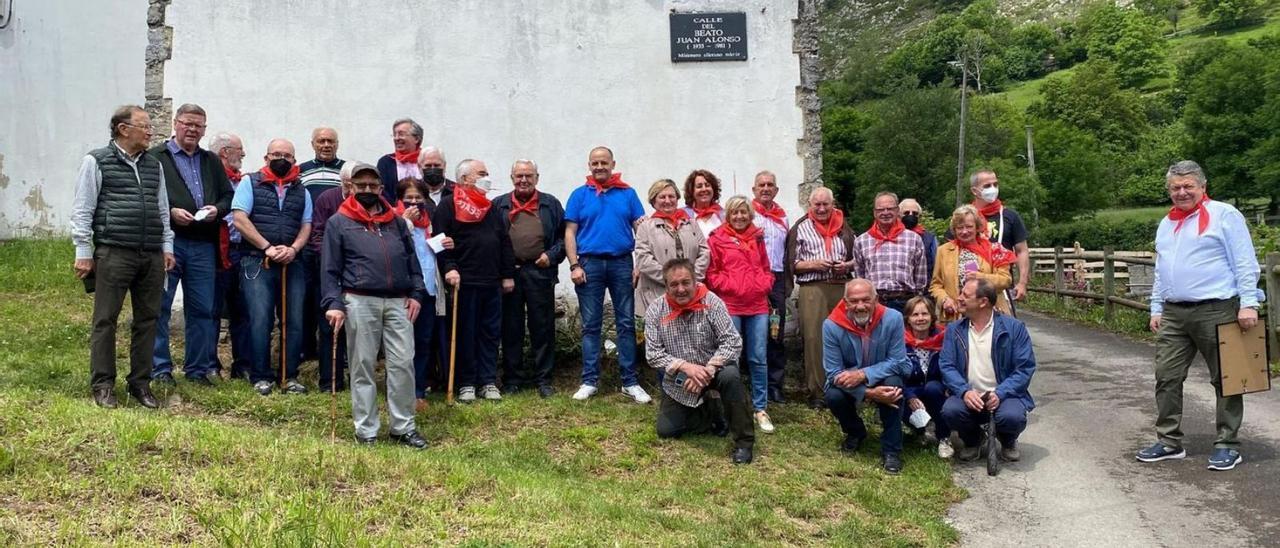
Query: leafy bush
point(1095, 233)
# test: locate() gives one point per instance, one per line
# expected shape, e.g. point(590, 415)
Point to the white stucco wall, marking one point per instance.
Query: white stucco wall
point(65, 65)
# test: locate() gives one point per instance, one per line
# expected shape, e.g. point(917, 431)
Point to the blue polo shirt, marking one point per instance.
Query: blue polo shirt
point(604, 221)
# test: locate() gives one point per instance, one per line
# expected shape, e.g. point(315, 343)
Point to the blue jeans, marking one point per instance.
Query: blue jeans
point(613, 274)
point(843, 403)
point(261, 291)
point(932, 394)
point(196, 268)
point(755, 340)
point(229, 303)
point(1011, 420)
point(422, 347)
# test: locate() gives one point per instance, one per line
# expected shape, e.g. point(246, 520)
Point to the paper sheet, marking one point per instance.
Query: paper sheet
point(436, 243)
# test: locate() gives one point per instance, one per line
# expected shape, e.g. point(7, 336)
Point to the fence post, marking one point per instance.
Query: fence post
point(1057, 273)
point(1108, 281)
point(1272, 272)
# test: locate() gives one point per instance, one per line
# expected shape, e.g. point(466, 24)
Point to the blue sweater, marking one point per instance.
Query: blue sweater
point(1012, 356)
point(842, 350)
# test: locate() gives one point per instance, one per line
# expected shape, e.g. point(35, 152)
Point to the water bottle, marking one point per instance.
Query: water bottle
point(775, 322)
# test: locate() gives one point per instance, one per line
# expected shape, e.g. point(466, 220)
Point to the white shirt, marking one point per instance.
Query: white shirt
point(982, 369)
point(408, 170)
point(775, 240)
point(1218, 264)
point(85, 202)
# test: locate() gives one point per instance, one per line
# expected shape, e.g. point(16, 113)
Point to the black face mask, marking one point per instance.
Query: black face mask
point(368, 199)
point(422, 207)
point(280, 167)
point(433, 176)
point(910, 220)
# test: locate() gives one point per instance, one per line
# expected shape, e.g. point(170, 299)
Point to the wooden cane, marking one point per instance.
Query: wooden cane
point(284, 320)
point(453, 344)
point(333, 390)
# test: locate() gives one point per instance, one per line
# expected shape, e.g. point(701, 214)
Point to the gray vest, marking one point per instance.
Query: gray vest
point(128, 210)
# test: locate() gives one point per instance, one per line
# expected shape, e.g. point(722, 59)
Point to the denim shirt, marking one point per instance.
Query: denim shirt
point(426, 258)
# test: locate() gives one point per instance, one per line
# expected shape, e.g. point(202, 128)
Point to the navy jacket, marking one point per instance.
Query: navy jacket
point(552, 215)
point(1012, 356)
point(380, 262)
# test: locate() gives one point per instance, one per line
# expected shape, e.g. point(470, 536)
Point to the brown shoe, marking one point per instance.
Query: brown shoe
point(420, 405)
point(144, 397)
point(105, 397)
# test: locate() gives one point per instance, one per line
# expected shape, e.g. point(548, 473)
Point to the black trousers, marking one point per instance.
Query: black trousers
point(312, 316)
point(676, 419)
point(140, 274)
point(532, 304)
point(776, 351)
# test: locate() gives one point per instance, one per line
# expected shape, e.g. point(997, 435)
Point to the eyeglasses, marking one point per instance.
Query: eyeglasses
point(145, 129)
point(191, 125)
point(280, 156)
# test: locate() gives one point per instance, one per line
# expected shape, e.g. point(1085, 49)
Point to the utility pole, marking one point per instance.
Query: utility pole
point(1031, 154)
point(964, 113)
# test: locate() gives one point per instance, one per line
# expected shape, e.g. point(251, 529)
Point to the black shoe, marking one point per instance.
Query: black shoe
point(367, 441)
point(242, 374)
point(775, 395)
point(513, 388)
point(105, 397)
point(817, 404)
point(851, 444)
point(165, 379)
point(201, 380)
point(412, 439)
point(892, 463)
point(546, 391)
point(144, 397)
point(742, 455)
point(720, 428)
point(294, 387)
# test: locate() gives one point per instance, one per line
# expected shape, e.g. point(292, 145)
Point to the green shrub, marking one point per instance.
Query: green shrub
point(1096, 233)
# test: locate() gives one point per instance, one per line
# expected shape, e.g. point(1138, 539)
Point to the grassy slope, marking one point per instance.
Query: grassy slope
point(229, 467)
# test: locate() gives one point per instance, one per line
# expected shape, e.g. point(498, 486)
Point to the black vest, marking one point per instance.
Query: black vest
point(278, 225)
point(128, 210)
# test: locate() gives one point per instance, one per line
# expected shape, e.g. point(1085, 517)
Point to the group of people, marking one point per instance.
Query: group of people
point(353, 260)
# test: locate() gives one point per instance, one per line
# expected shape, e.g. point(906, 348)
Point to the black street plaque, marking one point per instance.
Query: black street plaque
point(708, 37)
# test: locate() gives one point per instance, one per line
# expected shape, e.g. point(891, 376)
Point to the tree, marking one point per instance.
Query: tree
point(1091, 99)
point(843, 137)
point(1230, 13)
point(1225, 118)
point(1074, 170)
point(1127, 38)
point(1170, 10)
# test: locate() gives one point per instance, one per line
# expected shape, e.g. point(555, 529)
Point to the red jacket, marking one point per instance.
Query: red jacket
point(741, 278)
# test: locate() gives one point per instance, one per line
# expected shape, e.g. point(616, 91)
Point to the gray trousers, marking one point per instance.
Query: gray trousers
point(374, 322)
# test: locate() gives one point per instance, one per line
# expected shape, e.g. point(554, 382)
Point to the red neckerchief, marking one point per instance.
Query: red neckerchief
point(830, 229)
point(224, 246)
point(673, 219)
point(991, 210)
point(1179, 215)
point(423, 221)
point(530, 207)
point(774, 212)
point(704, 212)
point(995, 254)
point(934, 342)
point(269, 177)
point(233, 174)
point(747, 238)
point(883, 238)
point(615, 181)
point(352, 209)
point(840, 315)
point(410, 157)
point(694, 305)
point(469, 204)
point(918, 229)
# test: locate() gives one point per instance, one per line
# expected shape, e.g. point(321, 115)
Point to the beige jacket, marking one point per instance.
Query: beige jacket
point(946, 279)
point(655, 245)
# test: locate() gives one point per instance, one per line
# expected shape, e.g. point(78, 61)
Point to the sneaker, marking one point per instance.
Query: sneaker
point(585, 391)
point(1224, 459)
point(164, 379)
point(892, 463)
point(1159, 452)
point(490, 392)
point(945, 451)
point(294, 387)
point(636, 393)
point(467, 394)
point(851, 443)
point(1010, 453)
point(970, 453)
point(762, 421)
point(263, 387)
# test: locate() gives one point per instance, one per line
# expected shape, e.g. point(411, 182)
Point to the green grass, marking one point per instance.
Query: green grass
point(1141, 213)
point(1126, 321)
point(225, 466)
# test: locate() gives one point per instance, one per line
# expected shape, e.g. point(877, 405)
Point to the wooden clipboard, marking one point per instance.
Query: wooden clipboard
point(1242, 359)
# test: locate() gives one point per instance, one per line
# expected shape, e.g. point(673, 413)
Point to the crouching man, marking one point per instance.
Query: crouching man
point(691, 338)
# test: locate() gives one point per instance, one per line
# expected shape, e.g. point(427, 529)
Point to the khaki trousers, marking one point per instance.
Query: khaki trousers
point(1185, 330)
point(815, 301)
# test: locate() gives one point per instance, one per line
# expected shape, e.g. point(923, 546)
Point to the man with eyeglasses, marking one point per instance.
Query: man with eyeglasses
point(891, 256)
point(120, 228)
point(401, 163)
point(199, 196)
point(273, 215)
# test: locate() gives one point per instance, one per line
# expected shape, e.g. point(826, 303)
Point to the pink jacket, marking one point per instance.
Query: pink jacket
point(741, 278)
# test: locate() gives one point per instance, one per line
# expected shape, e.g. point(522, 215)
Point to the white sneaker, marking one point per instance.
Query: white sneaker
point(585, 391)
point(467, 394)
point(637, 393)
point(762, 421)
point(945, 451)
point(490, 392)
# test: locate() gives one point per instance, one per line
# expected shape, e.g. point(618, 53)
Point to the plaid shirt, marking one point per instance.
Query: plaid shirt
point(695, 337)
point(898, 266)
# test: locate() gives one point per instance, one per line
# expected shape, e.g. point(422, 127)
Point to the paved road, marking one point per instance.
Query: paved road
point(1078, 483)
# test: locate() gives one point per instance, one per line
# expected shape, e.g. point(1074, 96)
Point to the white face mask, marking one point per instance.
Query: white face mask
point(484, 184)
point(990, 193)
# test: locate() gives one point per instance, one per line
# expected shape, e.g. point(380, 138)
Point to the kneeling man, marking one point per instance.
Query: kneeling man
point(691, 338)
point(986, 363)
point(865, 357)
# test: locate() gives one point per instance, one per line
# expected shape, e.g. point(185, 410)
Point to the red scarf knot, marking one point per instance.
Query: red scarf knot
point(615, 181)
point(530, 207)
point(773, 212)
point(918, 229)
point(233, 175)
point(748, 239)
point(885, 237)
point(707, 211)
point(696, 304)
point(407, 157)
point(1179, 215)
point(673, 219)
point(933, 342)
point(993, 253)
point(269, 177)
point(840, 315)
point(352, 209)
point(990, 210)
point(469, 203)
point(830, 229)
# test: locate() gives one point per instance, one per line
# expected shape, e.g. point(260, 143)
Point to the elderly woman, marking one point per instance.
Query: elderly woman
point(970, 254)
point(923, 389)
point(739, 274)
point(702, 200)
point(412, 206)
point(667, 234)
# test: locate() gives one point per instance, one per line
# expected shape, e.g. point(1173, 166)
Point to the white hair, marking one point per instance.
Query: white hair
point(524, 161)
point(428, 150)
point(463, 169)
point(221, 141)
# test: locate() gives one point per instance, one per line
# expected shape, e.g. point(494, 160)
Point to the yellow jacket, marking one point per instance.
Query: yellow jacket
point(946, 278)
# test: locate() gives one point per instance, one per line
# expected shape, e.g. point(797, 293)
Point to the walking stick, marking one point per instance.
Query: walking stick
point(453, 344)
point(284, 320)
point(993, 460)
point(333, 390)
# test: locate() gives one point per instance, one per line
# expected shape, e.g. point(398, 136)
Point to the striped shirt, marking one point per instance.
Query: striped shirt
point(775, 240)
point(694, 337)
point(811, 247)
point(897, 266)
point(318, 176)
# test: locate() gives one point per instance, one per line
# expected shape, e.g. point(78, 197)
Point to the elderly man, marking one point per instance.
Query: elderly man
point(372, 286)
point(911, 215)
point(199, 195)
point(120, 228)
point(1004, 225)
point(227, 302)
point(431, 162)
point(865, 359)
point(772, 219)
point(318, 176)
point(1206, 276)
point(819, 258)
point(401, 163)
point(598, 238)
point(690, 337)
point(987, 363)
point(273, 214)
point(891, 256)
point(324, 209)
point(535, 222)
point(481, 267)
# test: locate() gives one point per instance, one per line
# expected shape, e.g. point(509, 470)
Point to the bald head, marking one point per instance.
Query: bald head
point(280, 149)
point(324, 141)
